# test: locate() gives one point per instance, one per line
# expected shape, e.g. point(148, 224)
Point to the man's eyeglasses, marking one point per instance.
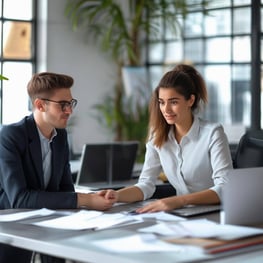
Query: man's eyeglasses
point(64, 104)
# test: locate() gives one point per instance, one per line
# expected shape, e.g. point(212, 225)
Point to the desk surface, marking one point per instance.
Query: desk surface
point(77, 245)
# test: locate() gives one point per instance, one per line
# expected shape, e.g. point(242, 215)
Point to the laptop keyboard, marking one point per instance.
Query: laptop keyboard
point(195, 210)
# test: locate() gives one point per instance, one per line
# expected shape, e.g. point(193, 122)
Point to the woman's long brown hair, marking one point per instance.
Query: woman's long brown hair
point(187, 81)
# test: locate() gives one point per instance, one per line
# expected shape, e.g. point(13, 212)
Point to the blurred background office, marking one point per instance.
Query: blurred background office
point(221, 38)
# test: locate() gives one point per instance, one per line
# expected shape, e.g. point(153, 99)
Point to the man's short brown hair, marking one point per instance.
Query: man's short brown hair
point(44, 84)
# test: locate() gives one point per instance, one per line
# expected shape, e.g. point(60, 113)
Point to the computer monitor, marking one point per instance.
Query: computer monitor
point(107, 162)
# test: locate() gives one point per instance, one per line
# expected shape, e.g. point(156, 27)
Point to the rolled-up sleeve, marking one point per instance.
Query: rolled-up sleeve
point(220, 160)
point(150, 172)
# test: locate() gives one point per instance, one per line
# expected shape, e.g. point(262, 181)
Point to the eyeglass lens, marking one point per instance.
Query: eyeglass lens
point(66, 104)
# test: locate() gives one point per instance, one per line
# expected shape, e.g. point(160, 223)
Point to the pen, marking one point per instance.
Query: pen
point(131, 213)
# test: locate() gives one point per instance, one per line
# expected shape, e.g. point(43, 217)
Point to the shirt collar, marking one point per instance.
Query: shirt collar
point(194, 130)
point(42, 137)
point(192, 133)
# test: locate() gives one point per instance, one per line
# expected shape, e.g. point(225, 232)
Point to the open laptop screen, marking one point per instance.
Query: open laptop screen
point(107, 162)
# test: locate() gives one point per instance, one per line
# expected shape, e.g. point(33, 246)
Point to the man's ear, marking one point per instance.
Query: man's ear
point(39, 104)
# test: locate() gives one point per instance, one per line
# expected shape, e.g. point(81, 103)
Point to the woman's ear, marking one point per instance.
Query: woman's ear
point(191, 100)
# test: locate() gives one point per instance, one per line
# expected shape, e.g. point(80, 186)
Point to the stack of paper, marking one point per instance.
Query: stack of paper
point(87, 219)
point(212, 237)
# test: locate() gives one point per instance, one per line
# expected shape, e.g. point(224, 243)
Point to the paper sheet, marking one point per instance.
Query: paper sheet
point(202, 228)
point(161, 216)
point(86, 220)
point(137, 243)
point(28, 214)
point(162, 229)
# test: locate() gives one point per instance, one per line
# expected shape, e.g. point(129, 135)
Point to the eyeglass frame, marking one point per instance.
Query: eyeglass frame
point(63, 103)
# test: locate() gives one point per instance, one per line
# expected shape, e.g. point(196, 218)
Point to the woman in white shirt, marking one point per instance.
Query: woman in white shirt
point(193, 153)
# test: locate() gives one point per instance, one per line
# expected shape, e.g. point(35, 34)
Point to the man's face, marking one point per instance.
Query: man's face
point(58, 108)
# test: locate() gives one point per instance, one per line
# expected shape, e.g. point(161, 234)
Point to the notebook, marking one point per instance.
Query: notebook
point(243, 197)
point(107, 165)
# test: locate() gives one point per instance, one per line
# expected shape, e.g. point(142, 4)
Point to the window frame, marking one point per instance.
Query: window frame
point(32, 61)
point(254, 63)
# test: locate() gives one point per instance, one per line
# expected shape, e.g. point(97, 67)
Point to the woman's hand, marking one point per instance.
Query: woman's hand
point(207, 196)
point(164, 204)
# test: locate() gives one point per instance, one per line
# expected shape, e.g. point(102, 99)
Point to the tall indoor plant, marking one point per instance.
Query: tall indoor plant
point(121, 28)
point(3, 77)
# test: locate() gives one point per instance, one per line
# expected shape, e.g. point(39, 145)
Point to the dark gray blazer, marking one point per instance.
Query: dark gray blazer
point(21, 173)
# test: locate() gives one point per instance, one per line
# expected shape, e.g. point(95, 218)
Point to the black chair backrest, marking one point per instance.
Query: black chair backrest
point(250, 150)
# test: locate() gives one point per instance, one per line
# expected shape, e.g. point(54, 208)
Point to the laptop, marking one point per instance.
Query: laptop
point(243, 197)
point(195, 210)
point(107, 165)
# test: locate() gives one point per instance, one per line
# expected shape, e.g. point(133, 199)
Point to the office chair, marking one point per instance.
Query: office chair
point(249, 151)
point(162, 191)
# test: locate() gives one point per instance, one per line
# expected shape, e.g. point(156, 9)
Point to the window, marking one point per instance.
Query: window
point(218, 44)
point(17, 61)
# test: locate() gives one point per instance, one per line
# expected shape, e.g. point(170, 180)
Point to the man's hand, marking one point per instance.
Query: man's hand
point(109, 194)
point(94, 201)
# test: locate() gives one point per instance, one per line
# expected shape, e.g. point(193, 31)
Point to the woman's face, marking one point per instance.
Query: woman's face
point(174, 107)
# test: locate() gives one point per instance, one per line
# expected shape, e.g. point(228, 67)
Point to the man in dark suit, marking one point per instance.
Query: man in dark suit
point(34, 157)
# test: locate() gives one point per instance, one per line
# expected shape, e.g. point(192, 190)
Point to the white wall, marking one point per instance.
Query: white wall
point(64, 51)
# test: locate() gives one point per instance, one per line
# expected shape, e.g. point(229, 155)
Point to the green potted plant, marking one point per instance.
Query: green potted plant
point(121, 28)
point(3, 77)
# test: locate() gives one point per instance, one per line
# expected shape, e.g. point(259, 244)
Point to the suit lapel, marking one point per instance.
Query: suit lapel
point(35, 149)
point(57, 162)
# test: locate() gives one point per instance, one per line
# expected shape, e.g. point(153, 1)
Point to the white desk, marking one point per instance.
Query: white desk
point(77, 245)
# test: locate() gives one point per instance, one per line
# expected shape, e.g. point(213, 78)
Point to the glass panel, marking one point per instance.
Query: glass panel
point(174, 52)
point(241, 20)
point(1, 39)
point(17, 40)
point(1, 88)
point(193, 25)
point(0, 9)
point(156, 72)
point(174, 32)
point(241, 49)
point(15, 99)
point(218, 80)
point(193, 50)
point(261, 96)
point(241, 2)
point(156, 29)
point(218, 22)
point(156, 52)
point(194, 4)
point(240, 95)
point(18, 9)
point(218, 50)
point(219, 3)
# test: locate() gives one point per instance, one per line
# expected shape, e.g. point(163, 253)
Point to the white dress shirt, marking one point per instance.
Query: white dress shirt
point(200, 161)
point(46, 155)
